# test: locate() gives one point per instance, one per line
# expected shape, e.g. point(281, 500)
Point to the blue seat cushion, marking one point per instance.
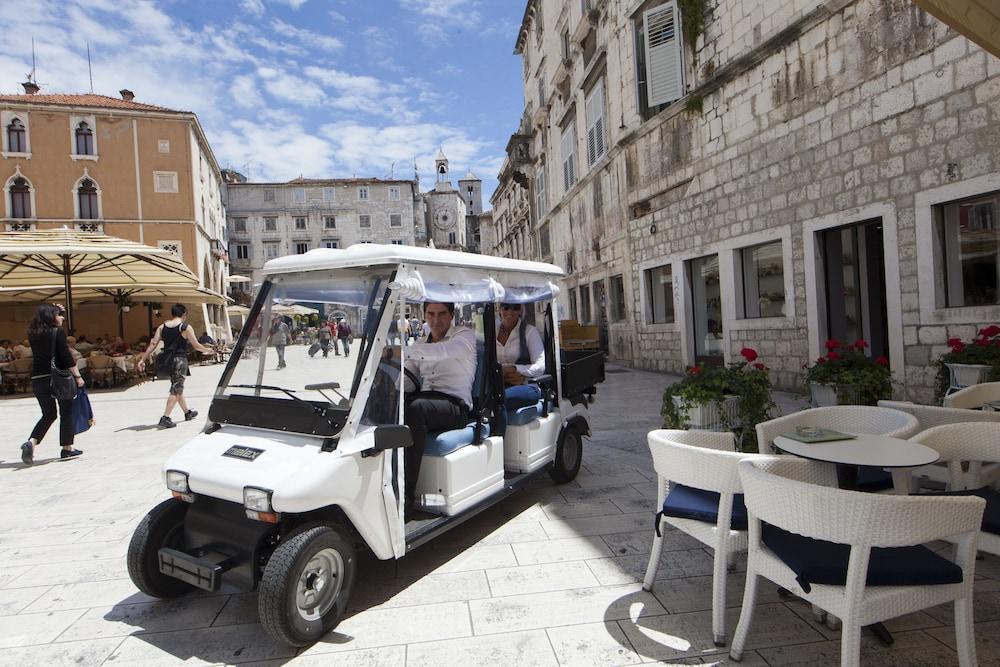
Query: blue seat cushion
point(443, 443)
point(991, 517)
point(822, 562)
point(873, 479)
point(685, 502)
point(524, 415)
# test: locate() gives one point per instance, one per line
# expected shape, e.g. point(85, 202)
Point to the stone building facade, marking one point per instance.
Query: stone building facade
point(268, 220)
point(128, 169)
point(792, 172)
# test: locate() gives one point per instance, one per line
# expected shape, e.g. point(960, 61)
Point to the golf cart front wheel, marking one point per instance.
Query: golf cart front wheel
point(162, 527)
point(569, 455)
point(306, 585)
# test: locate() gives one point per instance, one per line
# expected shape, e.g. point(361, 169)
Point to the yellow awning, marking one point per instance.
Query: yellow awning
point(979, 20)
point(179, 293)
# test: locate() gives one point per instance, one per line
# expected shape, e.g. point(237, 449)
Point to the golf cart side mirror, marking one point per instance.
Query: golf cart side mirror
point(390, 437)
point(321, 386)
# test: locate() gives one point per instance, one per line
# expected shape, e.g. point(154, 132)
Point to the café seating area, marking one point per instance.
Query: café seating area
point(846, 508)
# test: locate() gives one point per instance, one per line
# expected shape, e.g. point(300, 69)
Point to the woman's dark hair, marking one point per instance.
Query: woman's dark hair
point(44, 320)
point(178, 310)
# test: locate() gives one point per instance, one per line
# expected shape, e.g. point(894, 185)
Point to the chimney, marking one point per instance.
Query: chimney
point(30, 87)
point(126, 94)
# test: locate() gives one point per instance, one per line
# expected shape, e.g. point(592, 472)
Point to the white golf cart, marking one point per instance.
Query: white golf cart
point(301, 463)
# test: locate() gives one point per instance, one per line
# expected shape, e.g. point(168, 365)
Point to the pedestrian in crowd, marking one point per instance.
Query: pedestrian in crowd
point(175, 334)
point(425, 329)
point(279, 338)
point(334, 328)
point(344, 335)
point(403, 327)
point(6, 354)
point(393, 332)
point(48, 343)
point(323, 337)
point(414, 328)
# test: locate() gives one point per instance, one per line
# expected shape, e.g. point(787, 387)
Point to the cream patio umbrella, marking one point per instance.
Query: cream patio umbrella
point(84, 260)
point(979, 20)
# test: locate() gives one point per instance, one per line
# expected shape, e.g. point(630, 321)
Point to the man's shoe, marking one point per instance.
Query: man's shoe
point(166, 422)
point(190, 414)
point(28, 452)
point(69, 453)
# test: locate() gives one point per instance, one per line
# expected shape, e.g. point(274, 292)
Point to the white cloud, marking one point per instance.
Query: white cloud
point(306, 38)
point(445, 9)
point(245, 93)
point(288, 86)
point(255, 7)
point(294, 4)
point(274, 156)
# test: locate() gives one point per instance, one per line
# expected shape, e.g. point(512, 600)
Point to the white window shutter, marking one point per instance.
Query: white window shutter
point(664, 62)
point(595, 123)
point(568, 156)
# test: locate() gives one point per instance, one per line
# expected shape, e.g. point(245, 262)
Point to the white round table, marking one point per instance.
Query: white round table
point(877, 451)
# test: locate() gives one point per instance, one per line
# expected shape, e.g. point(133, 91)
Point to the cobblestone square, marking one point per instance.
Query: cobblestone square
point(552, 576)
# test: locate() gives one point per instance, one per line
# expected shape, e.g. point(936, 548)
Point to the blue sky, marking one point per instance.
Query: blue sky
point(322, 88)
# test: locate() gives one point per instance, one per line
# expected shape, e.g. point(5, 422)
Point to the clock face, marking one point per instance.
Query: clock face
point(442, 220)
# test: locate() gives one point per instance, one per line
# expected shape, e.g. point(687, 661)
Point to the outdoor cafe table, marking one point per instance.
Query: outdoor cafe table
point(877, 451)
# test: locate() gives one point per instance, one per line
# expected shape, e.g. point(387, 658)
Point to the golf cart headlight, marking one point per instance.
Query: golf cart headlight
point(257, 500)
point(178, 481)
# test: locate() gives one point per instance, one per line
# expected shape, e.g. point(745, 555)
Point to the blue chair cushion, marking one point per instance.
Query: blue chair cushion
point(443, 443)
point(685, 502)
point(991, 517)
point(822, 562)
point(873, 479)
point(524, 415)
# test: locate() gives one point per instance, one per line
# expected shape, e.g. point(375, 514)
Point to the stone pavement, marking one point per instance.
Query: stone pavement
point(550, 576)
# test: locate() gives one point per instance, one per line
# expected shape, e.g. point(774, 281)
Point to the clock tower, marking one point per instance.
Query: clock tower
point(442, 180)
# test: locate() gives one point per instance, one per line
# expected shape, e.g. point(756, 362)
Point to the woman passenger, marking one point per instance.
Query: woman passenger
point(521, 354)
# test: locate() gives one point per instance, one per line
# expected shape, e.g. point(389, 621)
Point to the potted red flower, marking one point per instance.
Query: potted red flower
point(734, 397)
point(969, 362)
point(847, 375)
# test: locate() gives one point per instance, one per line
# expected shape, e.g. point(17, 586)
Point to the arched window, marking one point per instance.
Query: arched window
point(84, 139)
point(17, 138)
point(20, 198)
point(87, 196)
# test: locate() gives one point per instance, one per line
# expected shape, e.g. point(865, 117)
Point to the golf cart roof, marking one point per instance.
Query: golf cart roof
point(372, 254)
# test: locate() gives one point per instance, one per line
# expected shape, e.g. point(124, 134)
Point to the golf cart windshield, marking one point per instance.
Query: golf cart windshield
point(299, 356)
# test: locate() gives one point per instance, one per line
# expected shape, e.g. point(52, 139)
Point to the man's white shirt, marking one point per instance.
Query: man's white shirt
point(447, 366)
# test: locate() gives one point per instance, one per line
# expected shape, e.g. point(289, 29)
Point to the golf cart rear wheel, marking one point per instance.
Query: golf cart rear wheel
point(162, 527)
point(306, 585)
point(569, 455)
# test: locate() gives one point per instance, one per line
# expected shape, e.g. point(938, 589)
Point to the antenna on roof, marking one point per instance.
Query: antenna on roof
point(30, 85)
point(392, 170)
point(90, 68)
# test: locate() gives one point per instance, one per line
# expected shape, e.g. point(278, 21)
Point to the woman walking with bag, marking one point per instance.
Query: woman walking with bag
point(172, 362)
point(49, 380)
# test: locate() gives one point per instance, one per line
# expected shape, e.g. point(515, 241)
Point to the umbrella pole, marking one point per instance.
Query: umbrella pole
point(121, 315)
point(67, 286)
point(149, 318)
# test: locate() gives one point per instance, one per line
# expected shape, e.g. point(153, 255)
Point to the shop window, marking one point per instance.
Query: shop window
point(761, 272)
point(660, 295)
point(967, 248)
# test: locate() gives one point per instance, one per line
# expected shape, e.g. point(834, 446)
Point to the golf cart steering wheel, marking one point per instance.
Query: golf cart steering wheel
point(395, 366)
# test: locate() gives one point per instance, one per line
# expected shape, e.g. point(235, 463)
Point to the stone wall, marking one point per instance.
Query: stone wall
point(813, 115)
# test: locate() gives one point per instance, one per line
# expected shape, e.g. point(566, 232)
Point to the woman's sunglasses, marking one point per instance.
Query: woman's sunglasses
point(510, 307)
point(61, 313)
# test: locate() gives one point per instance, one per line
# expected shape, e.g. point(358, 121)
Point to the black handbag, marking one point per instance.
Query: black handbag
point(62, 384)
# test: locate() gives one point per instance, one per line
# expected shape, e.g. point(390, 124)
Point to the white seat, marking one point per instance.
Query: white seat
point(701, 460)
point(791, 494)
point(973, 444)
point(930, 416)
point(973, 397)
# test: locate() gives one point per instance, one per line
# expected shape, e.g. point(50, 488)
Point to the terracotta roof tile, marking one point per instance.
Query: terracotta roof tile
point(84, 100)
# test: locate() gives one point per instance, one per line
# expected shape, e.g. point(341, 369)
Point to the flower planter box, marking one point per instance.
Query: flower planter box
point(966, 375)
point(824, 395)
point(708, 416)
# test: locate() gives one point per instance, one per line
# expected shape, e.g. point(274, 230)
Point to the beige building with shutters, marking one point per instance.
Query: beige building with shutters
point(128, 169)
point(763, 174)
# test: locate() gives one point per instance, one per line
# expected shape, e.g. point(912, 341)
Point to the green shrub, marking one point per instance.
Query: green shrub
point(847, 366)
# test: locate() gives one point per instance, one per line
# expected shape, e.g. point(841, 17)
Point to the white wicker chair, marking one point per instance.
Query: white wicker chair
point(973, 444)
point(930, 416)
point(701, 460)
point(974, 396)
point(852, 419)
point(785, 493)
